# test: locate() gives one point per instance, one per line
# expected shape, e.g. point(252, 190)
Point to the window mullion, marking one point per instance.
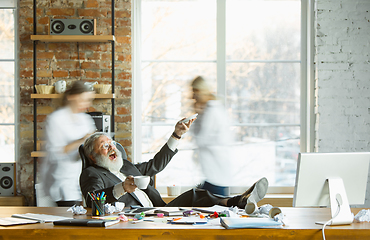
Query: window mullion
point(221, 49)
point(136, 84)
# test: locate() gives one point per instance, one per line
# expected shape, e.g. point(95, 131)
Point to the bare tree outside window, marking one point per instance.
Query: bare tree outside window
point(7, 62)
point(262, 82)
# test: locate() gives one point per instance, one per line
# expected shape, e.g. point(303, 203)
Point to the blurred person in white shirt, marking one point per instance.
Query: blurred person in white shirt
point(214, 138)
point(66, 129)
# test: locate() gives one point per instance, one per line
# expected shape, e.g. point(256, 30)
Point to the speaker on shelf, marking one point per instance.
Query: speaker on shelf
point(102, 122)
point(72, 27)
point(7, 179)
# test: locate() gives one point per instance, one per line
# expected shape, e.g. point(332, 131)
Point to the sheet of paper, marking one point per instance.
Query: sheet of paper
point(10, 221)
point(40, 217)
point(231, 223)
point(215, 208)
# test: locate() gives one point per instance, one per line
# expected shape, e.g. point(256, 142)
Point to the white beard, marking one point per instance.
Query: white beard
point(105, 162)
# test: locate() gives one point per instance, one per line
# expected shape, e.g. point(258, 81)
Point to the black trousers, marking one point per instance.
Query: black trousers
point(68, 203)
point(215, 189)
point(195, 197)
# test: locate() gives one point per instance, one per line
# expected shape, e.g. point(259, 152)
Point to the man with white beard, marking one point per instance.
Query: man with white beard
point(111, 174)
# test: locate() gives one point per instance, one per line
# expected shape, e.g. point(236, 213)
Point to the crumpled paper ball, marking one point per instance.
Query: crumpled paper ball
point(77, 210)
point(118, 207)
point(265, 209)
point(363, 215)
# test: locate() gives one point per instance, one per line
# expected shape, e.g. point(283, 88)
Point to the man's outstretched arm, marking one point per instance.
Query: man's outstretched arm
point(164, 156)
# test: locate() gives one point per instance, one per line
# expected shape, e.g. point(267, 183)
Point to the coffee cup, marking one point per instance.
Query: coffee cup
point(274, 211)
point(251, 208)
point(173, 190)
point(60, 86)
point(90, 85)
point(141, 181)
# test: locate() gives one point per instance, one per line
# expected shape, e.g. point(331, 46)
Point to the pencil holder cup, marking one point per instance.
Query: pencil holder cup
point(173, 190)
point(97, 208)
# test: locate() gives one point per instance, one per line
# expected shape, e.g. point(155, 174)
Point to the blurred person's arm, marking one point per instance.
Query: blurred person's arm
point(72, 146)
point(55, 135)
point(75, 144)
point(57, 132)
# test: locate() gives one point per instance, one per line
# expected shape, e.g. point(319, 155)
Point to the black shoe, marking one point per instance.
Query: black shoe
point(254, 194)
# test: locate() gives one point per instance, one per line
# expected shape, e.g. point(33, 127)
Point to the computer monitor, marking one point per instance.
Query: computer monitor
point(332, 179)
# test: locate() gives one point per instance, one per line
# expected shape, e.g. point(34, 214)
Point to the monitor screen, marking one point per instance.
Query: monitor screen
point(314, 168)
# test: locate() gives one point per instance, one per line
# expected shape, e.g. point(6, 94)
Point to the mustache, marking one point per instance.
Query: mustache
point(115, 151)
point(111, 152)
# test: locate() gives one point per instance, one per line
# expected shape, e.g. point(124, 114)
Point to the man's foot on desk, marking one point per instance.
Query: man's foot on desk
point(254, 194)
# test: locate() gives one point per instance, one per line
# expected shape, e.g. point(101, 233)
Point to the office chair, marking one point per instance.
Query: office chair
point(86, 161)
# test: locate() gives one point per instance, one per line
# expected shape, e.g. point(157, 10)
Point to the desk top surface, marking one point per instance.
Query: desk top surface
point(296, 218)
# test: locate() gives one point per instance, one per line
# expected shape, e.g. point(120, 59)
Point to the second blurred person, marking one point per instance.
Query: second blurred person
point(214, 138)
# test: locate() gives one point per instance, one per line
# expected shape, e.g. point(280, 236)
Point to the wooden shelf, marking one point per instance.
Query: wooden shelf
point(73, 38)
point(54, 95)
point(38, 154)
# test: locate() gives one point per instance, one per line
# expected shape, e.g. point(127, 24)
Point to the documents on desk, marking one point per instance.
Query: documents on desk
point(40, 217)
point(215, 208)
point(28, 218)
point(249, 222)
point(193, 220)
point(10, 221)
point(147, 210)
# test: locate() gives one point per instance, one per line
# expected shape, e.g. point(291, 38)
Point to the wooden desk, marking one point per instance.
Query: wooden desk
point(301, 226)
point(12, 201)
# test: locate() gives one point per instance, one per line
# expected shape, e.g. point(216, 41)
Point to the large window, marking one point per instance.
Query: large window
point(250, 51)
point(7, 80)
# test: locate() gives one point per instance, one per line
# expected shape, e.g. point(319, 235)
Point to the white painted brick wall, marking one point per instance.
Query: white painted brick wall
point(342, 76)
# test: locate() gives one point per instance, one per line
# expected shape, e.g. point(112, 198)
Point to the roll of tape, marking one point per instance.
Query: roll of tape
point(251, 208)
point(274, 211)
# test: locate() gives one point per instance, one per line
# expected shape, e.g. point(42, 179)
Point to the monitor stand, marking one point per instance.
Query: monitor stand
point(340, 211)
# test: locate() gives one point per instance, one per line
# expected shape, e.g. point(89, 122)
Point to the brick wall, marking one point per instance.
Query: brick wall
point(342, 76)
point(71, 61)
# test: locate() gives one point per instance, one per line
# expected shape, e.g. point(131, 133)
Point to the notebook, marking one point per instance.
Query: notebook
point(86, 222)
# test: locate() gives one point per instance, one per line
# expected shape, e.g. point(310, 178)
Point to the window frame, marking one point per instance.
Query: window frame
point(12, 4)
point(307, 116)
